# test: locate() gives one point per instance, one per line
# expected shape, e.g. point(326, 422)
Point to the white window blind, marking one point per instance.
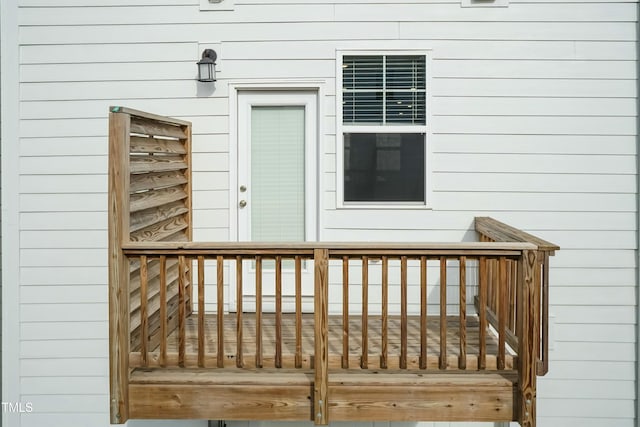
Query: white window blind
point(277, 173)
point(384, 90)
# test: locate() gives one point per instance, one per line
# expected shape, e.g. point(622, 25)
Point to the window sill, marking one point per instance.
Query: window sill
point(383, 206)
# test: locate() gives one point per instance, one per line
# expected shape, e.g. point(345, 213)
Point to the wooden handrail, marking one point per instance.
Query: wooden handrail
point(492, 230)
point(501, 232)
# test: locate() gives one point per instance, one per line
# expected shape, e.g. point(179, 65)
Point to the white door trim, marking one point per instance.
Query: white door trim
point(235, 88)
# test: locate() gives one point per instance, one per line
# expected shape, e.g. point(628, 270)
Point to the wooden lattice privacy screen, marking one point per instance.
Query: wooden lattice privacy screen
point(149, 200)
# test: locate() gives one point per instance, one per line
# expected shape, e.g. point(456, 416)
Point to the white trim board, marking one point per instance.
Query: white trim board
point(9, 104)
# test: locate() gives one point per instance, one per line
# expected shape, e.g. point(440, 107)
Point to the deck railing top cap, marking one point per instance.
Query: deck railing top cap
point(149, 116)
point(308, 247)
point(501, 232)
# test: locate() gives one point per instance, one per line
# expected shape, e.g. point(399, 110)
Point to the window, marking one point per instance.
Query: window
point(384, 128)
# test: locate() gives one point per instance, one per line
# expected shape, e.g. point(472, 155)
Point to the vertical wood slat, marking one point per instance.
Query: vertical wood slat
point(443, 313)
point(201, 331)
point(220, 307)
point(385, 311)
point(144, 326)
point(182, 310)
point(298, 268)
point(543, 366)
point(462, 360)
point(423, 312)
point(345, 312)
point(278, 358)
point(239, 310)
point(364, 359)
point(502, 311)
point(188, 203)
point(119, 316)
point(403, 312)
point(163, 311)
point(513, 279)
point(258, 312)
point(482, 312)
point(527, 331)
point(321, 319)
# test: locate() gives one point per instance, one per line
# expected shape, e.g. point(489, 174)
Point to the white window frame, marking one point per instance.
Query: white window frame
point(341, 129)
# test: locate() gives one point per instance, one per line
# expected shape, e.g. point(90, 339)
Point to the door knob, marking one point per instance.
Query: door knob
point(242, 203)
point(243, 188)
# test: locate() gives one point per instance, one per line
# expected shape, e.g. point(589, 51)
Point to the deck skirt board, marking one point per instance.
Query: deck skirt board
point(286, 394)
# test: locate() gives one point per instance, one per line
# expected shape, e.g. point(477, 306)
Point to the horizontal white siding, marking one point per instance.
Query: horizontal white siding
point(532, 120)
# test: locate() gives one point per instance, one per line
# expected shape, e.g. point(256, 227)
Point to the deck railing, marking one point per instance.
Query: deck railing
point(362, 281)
point(491, 230)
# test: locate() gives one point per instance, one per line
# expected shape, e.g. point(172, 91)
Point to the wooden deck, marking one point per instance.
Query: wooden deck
point(374, 339)
point(169, 362)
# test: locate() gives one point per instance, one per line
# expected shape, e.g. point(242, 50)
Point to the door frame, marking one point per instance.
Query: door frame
point(246, 101)
point(235, 88)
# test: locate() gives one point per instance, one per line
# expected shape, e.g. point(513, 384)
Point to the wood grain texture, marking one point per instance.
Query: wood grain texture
point(501, 232)
point(527, 333)
point(142, 164)
point(463, 313)
point(141, 144)
point(201, 324)
point(144, 326)
point(423, 312)
point(321, 335)
point(345, 312)
point(443, 313)
point(118, 200)
point(155, 179)
point(364, 358)
point(156, 128)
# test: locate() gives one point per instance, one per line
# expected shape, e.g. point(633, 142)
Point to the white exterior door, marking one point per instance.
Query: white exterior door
point(276, 192)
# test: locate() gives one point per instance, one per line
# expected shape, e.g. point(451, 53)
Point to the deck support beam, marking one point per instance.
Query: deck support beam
point(321, 310)
point(528, 331)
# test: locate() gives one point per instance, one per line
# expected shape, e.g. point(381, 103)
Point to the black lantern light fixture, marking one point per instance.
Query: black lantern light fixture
point(207, 66)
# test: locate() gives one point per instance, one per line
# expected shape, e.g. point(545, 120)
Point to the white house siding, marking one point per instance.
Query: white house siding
point(533, 121)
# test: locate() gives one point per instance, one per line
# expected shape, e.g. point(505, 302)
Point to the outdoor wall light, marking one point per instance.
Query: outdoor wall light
point(207, 66)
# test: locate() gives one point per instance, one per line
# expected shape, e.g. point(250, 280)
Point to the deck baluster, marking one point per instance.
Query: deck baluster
point(364, 359)
point(462, 361)
point(403, 312)
point(423, 312)
point(201, 331)
point(182, 310)
point(385, 311)
point(298, 268)
point(220, 307)
point(278, 358)
point(258, 312)
point(144, 325)
point(502, 311)
point(163, 311)
point(443, 313)
point(482, 313)
point(239, 310)
point(345, 312)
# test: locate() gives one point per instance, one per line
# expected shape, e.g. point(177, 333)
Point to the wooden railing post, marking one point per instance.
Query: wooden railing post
point(321, 361)
point(119, 129)
point(528, 330)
